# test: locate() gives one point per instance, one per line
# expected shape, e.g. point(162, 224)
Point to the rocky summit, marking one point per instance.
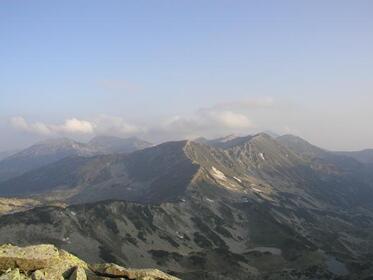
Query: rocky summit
point(46, 262)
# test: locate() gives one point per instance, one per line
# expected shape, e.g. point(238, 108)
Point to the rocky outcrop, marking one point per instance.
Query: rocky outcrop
point(46, 262)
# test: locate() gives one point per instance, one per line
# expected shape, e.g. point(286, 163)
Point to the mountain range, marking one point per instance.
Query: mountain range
point(253, 207)
point(53, 150)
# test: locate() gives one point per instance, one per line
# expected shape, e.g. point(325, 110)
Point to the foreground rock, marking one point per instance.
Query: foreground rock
point(113, 270)
point(46, 262)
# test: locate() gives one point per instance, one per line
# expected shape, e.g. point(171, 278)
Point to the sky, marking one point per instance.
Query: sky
point(168, 70)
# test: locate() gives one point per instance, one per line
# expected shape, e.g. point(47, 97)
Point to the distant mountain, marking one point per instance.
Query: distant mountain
point(253, 208)
point(53, 150)
point(272, 133)
point(6, 154)
point(364, 156)
point(42, 154)
point(113, 145)
point(300, 146)
point(164, 172)
point(155, 174)
point(323, 159)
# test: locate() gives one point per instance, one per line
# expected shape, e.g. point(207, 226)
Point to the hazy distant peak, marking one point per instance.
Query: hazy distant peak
point(289, 139)
point(100, 138)
point(114, 144)
point(363, 156)
point(6, 154)
point(241, 140)
point(52, 150)
point(51, 146)
point(200, 140)
point(300, 146)
point(294, 138)
point(57, 141)
point(106, 138)
point(227, 138)
point(271, 133)
point(262, 135)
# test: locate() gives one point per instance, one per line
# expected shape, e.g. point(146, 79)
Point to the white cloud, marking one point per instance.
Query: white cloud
point(113, 125)
point(205, 122)
point(213, 121)
point(70, 126)
point(75, 126)
point(21, 124)
point(227, 119)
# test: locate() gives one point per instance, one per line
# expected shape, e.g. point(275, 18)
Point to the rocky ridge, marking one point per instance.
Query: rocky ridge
point(46, 262)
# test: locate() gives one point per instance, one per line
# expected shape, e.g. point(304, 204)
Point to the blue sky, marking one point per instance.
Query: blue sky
point(177, 69)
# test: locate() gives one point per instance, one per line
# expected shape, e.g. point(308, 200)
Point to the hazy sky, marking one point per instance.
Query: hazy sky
point(180, 69)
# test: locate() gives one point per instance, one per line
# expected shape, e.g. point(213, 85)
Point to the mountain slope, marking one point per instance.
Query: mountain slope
point(203, 239)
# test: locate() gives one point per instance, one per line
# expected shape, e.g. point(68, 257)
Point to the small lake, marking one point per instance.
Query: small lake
point(272, 250)
point(336, 266)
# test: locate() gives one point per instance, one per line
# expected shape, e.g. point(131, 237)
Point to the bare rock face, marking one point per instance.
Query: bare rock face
point(46, 262)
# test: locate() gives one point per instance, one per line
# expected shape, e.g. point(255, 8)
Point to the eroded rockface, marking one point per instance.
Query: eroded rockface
point(46, 262)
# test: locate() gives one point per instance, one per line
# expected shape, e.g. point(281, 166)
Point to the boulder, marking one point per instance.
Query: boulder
point(113, 270)
point(38, 275)
point(28, 258)
point(13, 275)
point(78, 274)
point(46, 262)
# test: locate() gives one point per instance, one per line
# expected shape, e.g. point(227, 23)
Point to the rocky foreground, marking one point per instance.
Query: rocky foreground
point(46, 262)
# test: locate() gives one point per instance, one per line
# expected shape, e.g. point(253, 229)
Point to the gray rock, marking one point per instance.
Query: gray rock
point(78, 274)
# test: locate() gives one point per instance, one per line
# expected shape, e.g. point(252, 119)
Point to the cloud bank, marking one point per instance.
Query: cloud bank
point(217, 120)
point(321, 124)
point(69, 126)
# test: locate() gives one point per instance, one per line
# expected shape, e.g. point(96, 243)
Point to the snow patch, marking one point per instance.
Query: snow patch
point(180, 235)
point(271, 250)
point(218, 174)
point(261, 155)
point(257, 190)
point(237, 179)
point(66, 239)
